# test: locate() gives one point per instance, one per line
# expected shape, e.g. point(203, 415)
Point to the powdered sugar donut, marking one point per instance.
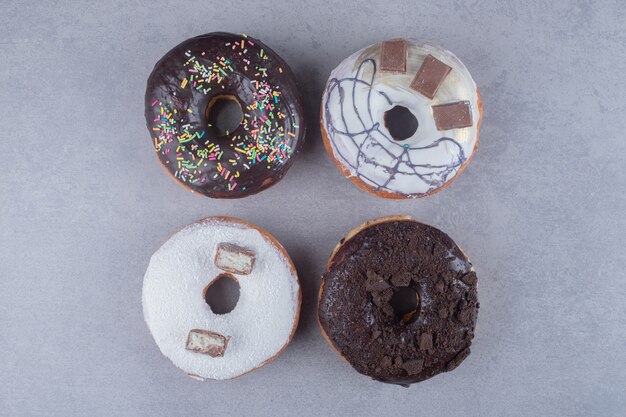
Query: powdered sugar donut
point(400, 118)
point(202, 343)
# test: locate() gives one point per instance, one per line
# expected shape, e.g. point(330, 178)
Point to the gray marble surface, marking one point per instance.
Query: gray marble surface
point(540, 210)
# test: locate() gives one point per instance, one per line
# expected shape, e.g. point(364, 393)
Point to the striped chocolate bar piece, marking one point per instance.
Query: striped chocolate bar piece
point(430, 76)
point(393, 56)
point(206, 342)
point(233, 258)
point(452, 115)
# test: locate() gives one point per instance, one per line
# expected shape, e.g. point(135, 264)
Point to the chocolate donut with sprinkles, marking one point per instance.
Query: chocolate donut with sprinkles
point(185, 92)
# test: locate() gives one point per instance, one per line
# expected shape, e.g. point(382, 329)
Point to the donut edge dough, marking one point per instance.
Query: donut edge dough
point(277, 245)
point(347, 172)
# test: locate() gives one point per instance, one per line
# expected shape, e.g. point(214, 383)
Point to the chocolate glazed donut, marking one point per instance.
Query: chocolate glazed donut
point(203, 73)
point(367, 270)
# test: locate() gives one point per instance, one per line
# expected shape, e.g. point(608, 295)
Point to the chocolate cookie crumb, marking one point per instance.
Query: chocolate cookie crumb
point(375, 282)
point(426, 342)
point(457, 359)
point(414, 366)
point(401, 279)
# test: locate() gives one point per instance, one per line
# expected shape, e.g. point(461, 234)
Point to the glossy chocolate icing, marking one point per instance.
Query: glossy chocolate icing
point(356, 314)
point(260, 150)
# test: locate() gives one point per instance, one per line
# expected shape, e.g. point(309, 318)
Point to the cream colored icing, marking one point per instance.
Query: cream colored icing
point(355, 100)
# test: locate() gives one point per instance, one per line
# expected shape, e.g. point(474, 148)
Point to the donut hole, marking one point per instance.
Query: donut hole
point(222, 294)
point(405, 302)
point(401, 123)
point(224, 114)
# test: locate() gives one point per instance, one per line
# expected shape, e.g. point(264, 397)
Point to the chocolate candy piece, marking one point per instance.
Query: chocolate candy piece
point(209, 343)
point(393, 56)
point(453, 115)
point(235, 259)
point(430, 76)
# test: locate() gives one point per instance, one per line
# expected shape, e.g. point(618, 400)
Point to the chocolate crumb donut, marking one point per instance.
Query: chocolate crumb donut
point(191, 86)
point(370, 267)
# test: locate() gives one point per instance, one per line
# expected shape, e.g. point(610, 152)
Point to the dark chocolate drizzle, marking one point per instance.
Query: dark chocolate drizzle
point(434, 176)
point(254, 156)
point(356, 314)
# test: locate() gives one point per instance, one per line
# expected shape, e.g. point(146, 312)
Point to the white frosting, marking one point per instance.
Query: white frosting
point(353, 106)
point(173, 301)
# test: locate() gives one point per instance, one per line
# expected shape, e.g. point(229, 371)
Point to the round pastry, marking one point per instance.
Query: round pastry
point(195, 97)
point(363, 310)
point(401, 118)
point(181, 275)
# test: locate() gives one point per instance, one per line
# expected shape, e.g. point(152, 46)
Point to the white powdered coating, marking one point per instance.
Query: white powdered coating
point(353, 119)
point(173, 301)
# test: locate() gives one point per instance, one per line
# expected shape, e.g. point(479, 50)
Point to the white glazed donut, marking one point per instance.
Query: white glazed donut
point(221, 346)
point(433, 85)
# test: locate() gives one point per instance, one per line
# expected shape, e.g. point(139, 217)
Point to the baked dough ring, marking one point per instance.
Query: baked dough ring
point(221, 346)
point(374, 263)
point(220, 67)
point(429, 82)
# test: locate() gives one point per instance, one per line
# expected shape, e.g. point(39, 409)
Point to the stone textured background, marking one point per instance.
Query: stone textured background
point(540, 210)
